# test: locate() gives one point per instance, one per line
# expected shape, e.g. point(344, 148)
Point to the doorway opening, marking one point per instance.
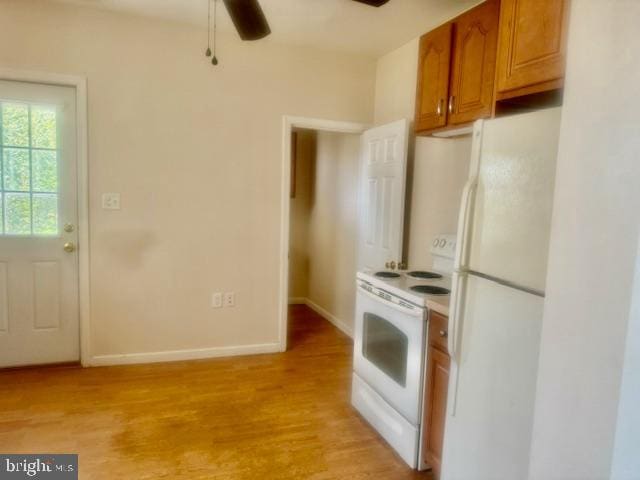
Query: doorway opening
point(321, 167)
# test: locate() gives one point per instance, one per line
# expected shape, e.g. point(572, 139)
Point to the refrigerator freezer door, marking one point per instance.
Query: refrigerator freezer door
point(490, 434)
point(513, 198)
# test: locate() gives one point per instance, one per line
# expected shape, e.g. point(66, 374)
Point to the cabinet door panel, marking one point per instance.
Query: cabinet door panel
point(532, 43)
point(473, 72)
point(436, 390)
point(438, 330)
point(433, 78)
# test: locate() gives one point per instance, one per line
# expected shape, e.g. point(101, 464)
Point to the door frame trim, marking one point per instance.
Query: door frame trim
point(82, 160)
point(288, 124)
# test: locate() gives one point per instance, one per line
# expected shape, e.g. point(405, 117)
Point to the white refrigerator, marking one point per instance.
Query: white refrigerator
point(498, 297)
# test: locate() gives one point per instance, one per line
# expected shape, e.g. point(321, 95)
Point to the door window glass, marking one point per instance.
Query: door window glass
point(29, 164)
point(386, 347)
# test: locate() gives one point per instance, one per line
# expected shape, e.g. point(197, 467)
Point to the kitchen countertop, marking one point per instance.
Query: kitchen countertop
point(439, 304)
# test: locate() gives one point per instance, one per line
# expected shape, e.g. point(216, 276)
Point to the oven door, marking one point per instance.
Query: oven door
point(389, 351)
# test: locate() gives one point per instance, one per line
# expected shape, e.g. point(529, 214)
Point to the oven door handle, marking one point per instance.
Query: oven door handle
point(417, 312)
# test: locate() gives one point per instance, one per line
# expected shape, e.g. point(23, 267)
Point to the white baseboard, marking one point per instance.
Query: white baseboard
point(178, 355)
point(346, 329)
point(297, 301)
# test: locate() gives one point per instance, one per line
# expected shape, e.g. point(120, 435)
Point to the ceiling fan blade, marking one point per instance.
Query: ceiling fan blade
point(248, 18)
point(373, 3)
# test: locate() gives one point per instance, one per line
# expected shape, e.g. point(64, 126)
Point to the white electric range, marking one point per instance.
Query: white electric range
point(389, 345)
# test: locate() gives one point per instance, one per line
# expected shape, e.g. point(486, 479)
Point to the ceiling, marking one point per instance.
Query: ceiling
point(339, 25)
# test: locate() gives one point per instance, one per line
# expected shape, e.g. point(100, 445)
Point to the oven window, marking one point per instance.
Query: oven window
point(386, 347)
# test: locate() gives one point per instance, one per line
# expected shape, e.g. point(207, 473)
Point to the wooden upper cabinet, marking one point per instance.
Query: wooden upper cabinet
point(433, 78)
point(474, 62)
point(531, 46)
point(456, 69)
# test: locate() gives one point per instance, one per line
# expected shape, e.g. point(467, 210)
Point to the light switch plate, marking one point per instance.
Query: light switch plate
point(111, 201)
point(216, 300)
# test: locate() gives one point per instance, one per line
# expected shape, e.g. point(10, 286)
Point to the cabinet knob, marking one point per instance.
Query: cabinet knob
point(443, 333)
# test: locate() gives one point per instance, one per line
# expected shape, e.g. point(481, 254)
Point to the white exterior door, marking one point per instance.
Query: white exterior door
point(39, 314)
point(382, 194)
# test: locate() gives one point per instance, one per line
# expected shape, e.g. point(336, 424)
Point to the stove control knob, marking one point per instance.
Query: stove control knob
point(443, 242)
point(435, 242)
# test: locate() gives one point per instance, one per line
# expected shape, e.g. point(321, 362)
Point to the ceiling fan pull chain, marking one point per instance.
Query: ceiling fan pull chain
point(208, 52)
point(214, 60)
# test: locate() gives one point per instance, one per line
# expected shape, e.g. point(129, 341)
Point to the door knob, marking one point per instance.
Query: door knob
point(69, 247)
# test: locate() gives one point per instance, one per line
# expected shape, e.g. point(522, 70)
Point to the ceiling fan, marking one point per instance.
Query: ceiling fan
point(249, 19)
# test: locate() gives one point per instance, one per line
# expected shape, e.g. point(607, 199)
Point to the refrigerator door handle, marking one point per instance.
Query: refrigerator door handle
point(455, 327)
point(456, 296)
point(464, 223)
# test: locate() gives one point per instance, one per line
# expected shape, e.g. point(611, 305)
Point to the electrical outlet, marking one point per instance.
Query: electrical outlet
point(230, 299)
point(216, 300)
point(111, 201)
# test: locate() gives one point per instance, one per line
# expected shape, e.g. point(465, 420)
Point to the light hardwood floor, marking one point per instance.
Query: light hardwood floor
point(282, 416)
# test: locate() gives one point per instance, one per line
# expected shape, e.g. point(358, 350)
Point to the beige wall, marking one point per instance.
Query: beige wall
point(195, 152)
point(593, 251)
point(333, 226)
point(324, 223)
point(438, 168)
point(299, 214)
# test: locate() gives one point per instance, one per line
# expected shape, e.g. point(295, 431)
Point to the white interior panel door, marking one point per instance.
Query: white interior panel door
point(382, 194)
point(39, 313)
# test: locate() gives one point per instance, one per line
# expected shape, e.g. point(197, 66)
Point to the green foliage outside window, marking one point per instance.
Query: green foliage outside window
point(28, 170)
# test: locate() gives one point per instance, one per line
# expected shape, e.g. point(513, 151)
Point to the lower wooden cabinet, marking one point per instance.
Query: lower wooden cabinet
point(435, 393)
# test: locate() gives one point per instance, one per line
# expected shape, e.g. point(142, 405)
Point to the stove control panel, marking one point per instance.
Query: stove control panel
point(378, 292)
point(444, 246)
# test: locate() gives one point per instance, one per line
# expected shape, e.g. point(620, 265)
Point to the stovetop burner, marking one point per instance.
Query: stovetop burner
point(424, 275)
point(430, 290)
point(387, 274)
